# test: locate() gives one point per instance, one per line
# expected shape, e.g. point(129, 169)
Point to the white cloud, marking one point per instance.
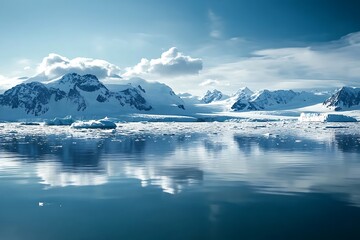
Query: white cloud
point(209, 82)
point(213, 83)
point(171, 63)
point(55, 65)
point(332, 64)
point(6, 83)
point(215, 25)
point(24, 62)
point(325, 65)
point(351, 39)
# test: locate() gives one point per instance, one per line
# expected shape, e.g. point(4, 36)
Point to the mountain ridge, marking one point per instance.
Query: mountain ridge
point(345, 98)
point(87, 96)
point(73, 94)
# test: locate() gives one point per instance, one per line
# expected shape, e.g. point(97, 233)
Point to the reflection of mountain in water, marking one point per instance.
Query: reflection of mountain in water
point(295, 164)
point(88, 152)
point(72, 153)
point(248, 144)
point(214, 146)
point(64, 161)
point(267, 163)
point(343, 142)
point(348, 143)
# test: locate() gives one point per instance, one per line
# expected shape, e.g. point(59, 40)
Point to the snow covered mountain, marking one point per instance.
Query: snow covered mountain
point(87, 97)
point(243, 93)
point(246, 100)
point(274, 100)
point(84, 96)
point(160, 96)
point(345, 98)
point(212, 96)
point(32, 97)
point(241, 99)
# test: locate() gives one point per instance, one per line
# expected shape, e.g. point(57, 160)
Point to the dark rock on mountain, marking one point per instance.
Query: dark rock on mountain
point(344, 99)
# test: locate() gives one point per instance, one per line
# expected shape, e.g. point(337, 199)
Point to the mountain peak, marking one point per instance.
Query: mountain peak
point(266, 99)
point(87, 82)
point(74, 77)
point(344, 98)
point(211, 96)
point(242, 93)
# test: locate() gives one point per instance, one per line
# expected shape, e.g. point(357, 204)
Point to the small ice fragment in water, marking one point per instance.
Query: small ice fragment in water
point(41, 204)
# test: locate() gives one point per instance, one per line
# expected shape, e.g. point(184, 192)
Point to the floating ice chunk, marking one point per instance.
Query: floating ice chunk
point(325, 117)
point(339, 118)
point(30, 123)
point(41, 204)
point(312, 117)
point(102, 124)
point(68, 120)
point(268, 135)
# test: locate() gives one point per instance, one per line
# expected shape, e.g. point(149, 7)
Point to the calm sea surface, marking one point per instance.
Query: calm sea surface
point(142, 182)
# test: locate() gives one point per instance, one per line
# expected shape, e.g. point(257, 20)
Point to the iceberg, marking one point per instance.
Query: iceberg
point(66, 121)
point(325, 117)
point(101, 124)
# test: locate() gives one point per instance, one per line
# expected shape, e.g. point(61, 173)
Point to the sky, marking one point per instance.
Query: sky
point(190, 45)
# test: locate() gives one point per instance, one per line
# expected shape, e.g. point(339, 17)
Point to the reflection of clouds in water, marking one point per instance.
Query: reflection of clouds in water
point(95, 161)
point(214, 212)
point(271, 163)
point(169, 180)
point(7, 162)
point(52, 175)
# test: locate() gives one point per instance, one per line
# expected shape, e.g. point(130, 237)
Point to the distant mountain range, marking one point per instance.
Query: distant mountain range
point(345, 98)
point(86, 96)
point(214, 95)
point(279, 99)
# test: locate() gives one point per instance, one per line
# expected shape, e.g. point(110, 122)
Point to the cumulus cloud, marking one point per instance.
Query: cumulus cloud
point(326, 65)
point(55, 65)
point(171, 63)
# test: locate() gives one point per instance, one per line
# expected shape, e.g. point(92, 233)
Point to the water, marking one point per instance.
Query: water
point(180, 181)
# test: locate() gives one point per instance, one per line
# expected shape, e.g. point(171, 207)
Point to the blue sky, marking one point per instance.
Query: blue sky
point(230, 38)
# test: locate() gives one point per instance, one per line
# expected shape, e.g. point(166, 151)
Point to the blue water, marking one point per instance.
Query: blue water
point(180, 186)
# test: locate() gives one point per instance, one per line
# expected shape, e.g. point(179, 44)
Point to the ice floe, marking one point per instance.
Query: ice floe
point(325, 117)
point(102, 124)
point(68, 120)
